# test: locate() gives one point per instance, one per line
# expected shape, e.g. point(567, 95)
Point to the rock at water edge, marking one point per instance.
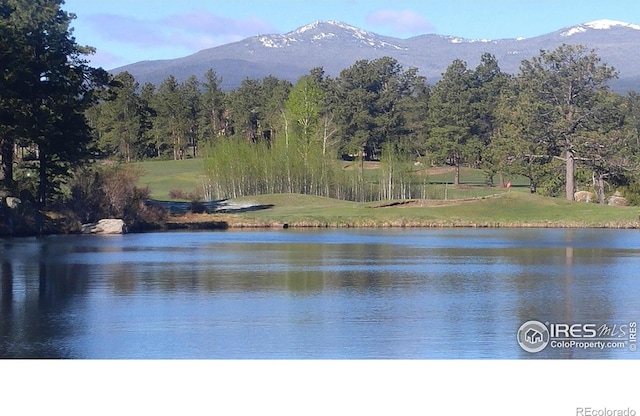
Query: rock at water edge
point(105, 226)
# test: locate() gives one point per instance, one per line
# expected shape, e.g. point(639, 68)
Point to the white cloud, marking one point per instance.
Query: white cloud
point(192, 30)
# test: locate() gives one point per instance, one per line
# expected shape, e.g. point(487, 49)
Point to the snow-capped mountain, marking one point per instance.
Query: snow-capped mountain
point(336, 45)
point(323, 32)
point(603, 24)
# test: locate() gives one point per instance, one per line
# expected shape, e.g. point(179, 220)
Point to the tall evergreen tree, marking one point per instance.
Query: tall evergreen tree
point(214, 120)
point(50, 85)
point(519, 145)
point(247, 108)
point(150, 146)
point(451, 117)
point(173, 120)
point(11, 60)
point(121, 118)
point(489, 85)
point(367, 104)
point(567, 82)
point(191, 96)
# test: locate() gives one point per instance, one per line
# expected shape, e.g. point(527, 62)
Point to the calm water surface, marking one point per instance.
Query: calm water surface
point(313, 294)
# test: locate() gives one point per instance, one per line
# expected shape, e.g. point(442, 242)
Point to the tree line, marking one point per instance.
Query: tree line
point(556, 122)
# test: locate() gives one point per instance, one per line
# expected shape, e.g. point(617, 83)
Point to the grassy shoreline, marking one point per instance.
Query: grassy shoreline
point(505, 210)
point(471, 205)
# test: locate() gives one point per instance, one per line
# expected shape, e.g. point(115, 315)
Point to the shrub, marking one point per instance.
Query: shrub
point(88, 200)
point(110, 192)
point(632, 192)
point(176, 193)
point(197, 207)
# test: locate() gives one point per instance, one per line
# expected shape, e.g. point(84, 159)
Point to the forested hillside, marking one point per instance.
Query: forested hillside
point(556, 123)
point(64, 125)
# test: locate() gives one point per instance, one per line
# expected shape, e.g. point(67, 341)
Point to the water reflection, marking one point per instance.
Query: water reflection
point(311, 294)
point(6, 295)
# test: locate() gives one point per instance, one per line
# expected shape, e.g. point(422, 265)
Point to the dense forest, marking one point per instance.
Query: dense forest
point(556, 123)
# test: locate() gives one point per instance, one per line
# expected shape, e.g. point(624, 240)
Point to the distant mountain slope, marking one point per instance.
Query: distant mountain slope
point(335, 45)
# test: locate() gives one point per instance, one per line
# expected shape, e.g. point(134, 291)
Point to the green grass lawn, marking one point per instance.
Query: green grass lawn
point(163, 176)
point(471, 204)
point(509, 209)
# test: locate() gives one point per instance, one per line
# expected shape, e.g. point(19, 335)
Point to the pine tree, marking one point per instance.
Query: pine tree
point(451, 118)
point(48, 85)
point(567, 83)
point(121, 118)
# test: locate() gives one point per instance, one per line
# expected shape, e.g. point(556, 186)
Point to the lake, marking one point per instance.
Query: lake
point(322, 294)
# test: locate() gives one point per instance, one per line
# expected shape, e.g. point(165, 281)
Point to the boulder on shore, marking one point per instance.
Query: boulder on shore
point(617, 200)
point(106, 226)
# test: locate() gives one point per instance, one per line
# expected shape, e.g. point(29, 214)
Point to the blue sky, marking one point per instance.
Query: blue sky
point(127, 31)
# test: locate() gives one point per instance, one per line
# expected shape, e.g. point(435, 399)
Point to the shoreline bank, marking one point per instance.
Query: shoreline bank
point(216, 222)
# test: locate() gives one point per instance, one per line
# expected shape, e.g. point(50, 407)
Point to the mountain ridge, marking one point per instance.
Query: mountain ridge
point(335, 45)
